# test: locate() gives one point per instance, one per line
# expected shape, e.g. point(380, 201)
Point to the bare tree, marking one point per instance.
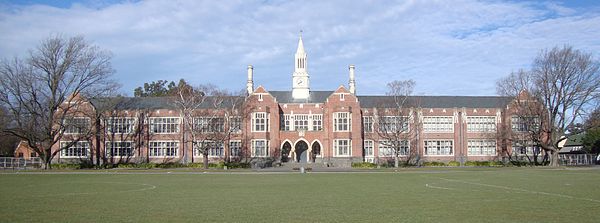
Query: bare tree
point(394, 120)
point(44, 89)
point(208, 116)
point(557, 92)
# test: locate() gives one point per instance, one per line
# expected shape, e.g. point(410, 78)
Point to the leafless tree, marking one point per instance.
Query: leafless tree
point(562, 86)
point(44, 89)
point(208, 116)
point(395, 121)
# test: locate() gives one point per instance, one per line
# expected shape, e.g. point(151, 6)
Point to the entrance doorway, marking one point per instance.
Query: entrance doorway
point(285, 152)
point(301, 151)
point(316, 151)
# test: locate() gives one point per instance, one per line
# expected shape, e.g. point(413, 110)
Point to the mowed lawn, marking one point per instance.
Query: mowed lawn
point(410, 195)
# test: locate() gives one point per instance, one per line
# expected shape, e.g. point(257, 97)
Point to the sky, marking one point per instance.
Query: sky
point(447, 47)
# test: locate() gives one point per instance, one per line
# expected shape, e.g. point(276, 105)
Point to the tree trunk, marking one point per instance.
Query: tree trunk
point(396, 161)
point(205, 161)
point(554, 158)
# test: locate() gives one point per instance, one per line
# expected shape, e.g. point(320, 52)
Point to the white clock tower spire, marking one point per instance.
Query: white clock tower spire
point(300, 78)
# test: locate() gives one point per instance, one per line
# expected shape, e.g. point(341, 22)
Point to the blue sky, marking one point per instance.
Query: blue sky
point(447, 47)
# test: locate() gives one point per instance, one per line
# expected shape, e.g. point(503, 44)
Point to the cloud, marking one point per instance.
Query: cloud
point(447, 47)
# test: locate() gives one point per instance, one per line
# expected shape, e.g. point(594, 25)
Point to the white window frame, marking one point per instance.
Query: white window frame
point(317, 122)
point(164, 149)
point(79, 145)
point(165, 123)
point(368, 124)
point(481, 147)
point(67, 126)
point(387, 150)
point(481, 123)
point(517, 123)
point(254, 145)
point(434, 124)
point(527, 145)
point(369, 150)
point(338, 117)
point(120, 123)
point(337, 143)
point(393, 122)
point(265, 123)
point(109, 147)
point(231, 148)
point(235, 124)
point(438, 147)
point(208, 124)
point(213, 149)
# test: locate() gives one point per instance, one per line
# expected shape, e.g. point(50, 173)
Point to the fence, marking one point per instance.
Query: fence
point(576, 159)
point(20, 163)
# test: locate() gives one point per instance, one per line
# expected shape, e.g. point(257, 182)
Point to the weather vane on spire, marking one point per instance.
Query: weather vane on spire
point(300, 33)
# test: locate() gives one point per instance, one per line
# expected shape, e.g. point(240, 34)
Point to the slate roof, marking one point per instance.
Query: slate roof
point(315, 97)
point(133, 103)
point(438, 101)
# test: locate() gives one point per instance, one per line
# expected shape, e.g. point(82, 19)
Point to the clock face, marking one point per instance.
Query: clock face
point(300, 82)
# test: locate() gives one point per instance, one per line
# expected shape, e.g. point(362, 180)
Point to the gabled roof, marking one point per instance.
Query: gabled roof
point(314, 97)
point(437, 101)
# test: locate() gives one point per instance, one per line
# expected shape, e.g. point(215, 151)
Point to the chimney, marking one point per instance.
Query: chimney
point(250, 83)
point(351, 82)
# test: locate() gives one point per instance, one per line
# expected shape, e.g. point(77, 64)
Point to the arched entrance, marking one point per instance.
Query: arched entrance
point(286, 148)
point(301, 151)
point(315, 151)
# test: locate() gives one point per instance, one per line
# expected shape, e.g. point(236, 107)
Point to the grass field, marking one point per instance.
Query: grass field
point(411, 195)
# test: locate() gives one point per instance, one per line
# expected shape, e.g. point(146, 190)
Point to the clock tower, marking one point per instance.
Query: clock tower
point(300, 85)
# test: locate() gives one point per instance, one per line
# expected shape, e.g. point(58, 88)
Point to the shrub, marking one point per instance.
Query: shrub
point(434, 163)
point(363, 165)
point(478, 163)
point(453, 163)
point(496, 163)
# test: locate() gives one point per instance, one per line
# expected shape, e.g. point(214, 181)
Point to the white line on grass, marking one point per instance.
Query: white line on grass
point(146, 187)
point(522, 190)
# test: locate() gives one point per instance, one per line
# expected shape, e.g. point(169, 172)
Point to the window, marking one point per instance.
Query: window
point(438, 124)
point(481, 147)
point(235, 124)
point(120, 125)
point(524, 124)
point(341, 122)
point(393, 124)
point(368, 151)
point(33, 155)
point(438, 147)
point(74, 149)
point(260, 148)
point(386, 148)
point(286, 123)
point(481, 124)
point(260, 122)
point(301, 122)
point(209, 124)
point(119, 148)
point(368, 123)
point(235, 148)
point(164, 125)
point(76, 125)
point(341, 147)
point(317, 122)
point(342, 97)
point(525, 147)
point(163, 148)
point(212, 148)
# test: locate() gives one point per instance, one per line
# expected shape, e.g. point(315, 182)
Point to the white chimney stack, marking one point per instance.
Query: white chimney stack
point(250, 83)
point(351, 82)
